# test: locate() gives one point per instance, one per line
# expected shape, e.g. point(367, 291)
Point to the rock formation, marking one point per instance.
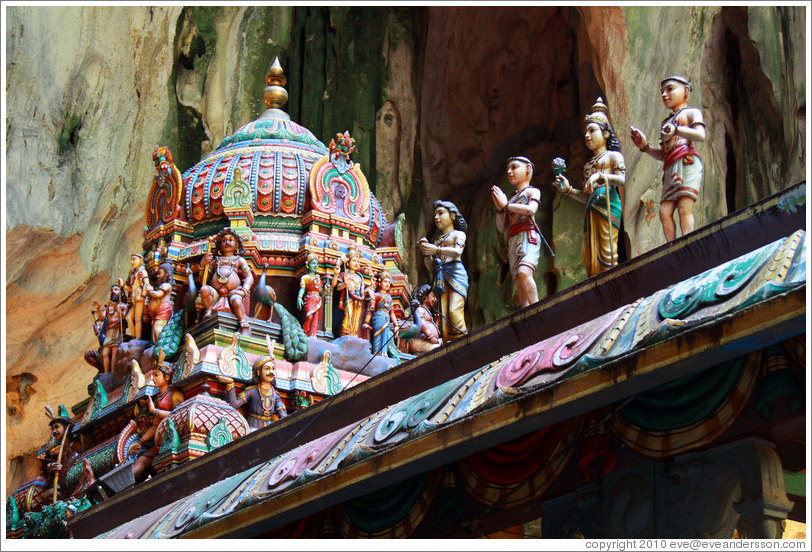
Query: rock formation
point(437, 99)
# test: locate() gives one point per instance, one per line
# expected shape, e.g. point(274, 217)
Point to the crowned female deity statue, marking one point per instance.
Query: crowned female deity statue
point(351, 286)
point(604, 177)
point(379, 316)
point(310, 299)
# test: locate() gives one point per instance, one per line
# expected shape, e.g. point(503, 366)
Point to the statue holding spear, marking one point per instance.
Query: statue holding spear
point(60, 425)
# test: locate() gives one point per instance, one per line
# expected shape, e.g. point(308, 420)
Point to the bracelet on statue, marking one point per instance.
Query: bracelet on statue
point(501, 211)
point(230, 386)
point(645, 148)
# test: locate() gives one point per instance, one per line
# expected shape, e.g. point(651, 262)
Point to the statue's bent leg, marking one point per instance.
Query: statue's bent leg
point(456, 314)
point(667, 220)
point(685, 205)
point(208, 296)
point(238, 308)
point(525, 281)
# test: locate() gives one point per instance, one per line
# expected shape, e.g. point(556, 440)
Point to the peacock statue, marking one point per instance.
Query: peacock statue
point(265, 296)
point(170, 337)
point(293, 337)
point(190, 301)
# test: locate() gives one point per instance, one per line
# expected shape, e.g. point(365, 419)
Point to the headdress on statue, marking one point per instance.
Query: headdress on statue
point(342, 144)
point(162, 151)
point(62, 416)
point(167, 265)
point(218, 238)
point(353, 251)
point(679, 79)
point(423, 290)
point(165, 368)
point(598, 114)
point(311, 257)
point(522, 160)
point(264, 361)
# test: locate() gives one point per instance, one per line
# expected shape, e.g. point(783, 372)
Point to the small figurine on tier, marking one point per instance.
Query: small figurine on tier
point(59, 452)
point(443, 260)
point(379, 315)
point(682, 167)
point(351, 286)
point(517, 215)
point(136, 294)
point(109, 326)
point(262, 401)
point(310, 299)
point(160, 298)
point(231, 279)
point(168, 400)
point(606, 169)
point(426, 334)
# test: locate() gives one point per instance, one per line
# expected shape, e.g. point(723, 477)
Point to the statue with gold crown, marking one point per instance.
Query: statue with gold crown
point(351, 285)
point(310, 299)
point(602, 191)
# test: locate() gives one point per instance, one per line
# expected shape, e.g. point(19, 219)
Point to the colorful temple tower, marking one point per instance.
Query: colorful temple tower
point(286, 195)
point(293, 206)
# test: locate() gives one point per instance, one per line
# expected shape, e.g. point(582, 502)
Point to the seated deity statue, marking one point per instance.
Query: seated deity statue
point(231, 278)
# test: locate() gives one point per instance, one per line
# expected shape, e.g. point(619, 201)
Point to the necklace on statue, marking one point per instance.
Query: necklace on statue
point(443, 240)
point(519, 196)
point(597, 159)
point(223, 278)
point(266, 400)
point(675, 115)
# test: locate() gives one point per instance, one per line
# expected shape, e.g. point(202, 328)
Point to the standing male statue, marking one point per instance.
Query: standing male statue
point(682, 167)
point(517, 215)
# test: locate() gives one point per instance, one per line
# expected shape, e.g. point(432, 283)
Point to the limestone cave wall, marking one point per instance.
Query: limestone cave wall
point(437, 98)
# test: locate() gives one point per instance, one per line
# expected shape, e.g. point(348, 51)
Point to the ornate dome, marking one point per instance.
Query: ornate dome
point(265, 167)
point(195, 427)
point(274, 155)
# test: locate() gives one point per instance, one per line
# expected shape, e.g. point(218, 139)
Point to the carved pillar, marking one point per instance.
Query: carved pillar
point(705, 494)
point(764, 504)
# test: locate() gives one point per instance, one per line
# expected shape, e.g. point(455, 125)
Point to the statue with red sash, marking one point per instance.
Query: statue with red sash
point(517, 215)
point(682, 167)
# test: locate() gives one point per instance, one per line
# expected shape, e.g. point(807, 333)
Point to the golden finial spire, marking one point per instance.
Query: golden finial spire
point(275, 95)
